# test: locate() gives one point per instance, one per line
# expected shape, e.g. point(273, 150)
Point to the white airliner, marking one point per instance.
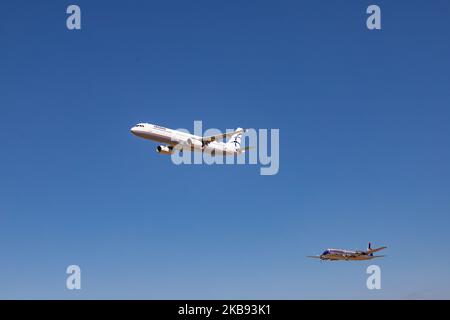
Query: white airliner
point(174, 139)
point(339, 254)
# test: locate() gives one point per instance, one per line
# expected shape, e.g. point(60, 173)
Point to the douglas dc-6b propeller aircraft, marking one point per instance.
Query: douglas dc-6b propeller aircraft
point(174, 139)
point(338, 254)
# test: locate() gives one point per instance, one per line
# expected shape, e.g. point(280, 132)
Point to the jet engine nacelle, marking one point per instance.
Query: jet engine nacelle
point(194, 143)
point(164, 149)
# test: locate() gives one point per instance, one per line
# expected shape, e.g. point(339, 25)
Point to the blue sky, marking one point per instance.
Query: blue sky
point(364, 149)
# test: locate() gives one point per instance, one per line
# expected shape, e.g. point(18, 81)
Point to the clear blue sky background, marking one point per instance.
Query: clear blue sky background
point(364, 128)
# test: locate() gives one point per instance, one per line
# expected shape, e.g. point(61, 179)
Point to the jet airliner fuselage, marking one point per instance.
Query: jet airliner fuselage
point(177, 139)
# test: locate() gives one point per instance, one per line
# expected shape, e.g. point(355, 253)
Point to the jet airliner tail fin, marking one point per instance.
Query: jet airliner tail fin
point(235, 140)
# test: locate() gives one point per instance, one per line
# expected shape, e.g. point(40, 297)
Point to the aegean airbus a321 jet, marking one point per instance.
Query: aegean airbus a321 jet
point(339, 254)
point(174, 139)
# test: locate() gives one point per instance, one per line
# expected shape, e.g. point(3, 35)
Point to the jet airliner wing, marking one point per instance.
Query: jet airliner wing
point(221, 136)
